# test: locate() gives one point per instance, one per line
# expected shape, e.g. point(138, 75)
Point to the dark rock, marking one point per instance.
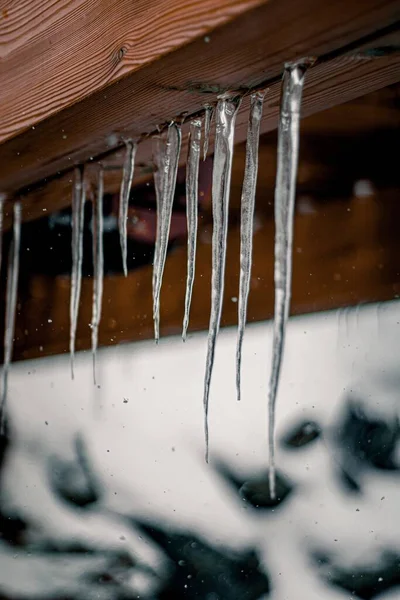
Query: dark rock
point(365, 582)
point(203, 572)
point(302, 435)
point(368, 441)
point(254, 489)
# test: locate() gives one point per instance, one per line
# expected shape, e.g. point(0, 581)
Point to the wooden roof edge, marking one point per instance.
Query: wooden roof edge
point(351, 66)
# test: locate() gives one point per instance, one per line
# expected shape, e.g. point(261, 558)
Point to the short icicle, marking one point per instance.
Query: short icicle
point(169, 173)
point(11, 309)
point(285, 191)
point(192, 183)
point(78, 205)
point(126, 184)
point(246, 221)
point(208, 115)
point(98, 263)
point(224, 136)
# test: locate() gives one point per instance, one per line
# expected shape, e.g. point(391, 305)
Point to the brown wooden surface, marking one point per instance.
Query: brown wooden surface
point(346, 248)
point(252, 49)
point(56, 52)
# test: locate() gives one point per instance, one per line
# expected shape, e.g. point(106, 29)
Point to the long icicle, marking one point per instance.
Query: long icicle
point(11, 309)
point(224, 136)
point(246, 221)
point(192, 184)
point(78, 205)
point(1, 227)
point(169, 174)
point(98, 264)
point(126, 184)
point(285, 191)
point(157, 176)
point(208, 114)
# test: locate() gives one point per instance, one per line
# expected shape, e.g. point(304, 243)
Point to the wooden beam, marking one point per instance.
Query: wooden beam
point(55, 53)
point(357, 50)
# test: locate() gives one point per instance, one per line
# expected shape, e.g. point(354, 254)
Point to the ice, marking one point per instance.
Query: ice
point(285, 190)
point(127, 176)
point(224, 136)
point(1, 227)
point(209, 111)
point(192, 183)
point(11, 309)
point(157, 175)
point(169, 172)
point(78, 205)
point(98, 264)
point(246, 221)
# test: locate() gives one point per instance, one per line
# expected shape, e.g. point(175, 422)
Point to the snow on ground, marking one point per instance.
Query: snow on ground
point(143, 428)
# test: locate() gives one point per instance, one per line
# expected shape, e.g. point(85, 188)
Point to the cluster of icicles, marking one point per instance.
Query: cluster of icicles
point(166, 159)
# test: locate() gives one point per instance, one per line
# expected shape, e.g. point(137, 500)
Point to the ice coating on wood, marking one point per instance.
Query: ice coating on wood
point(169, 173)
point(225, 118)
point(126, 184)
point(98, 264)
point(157, 176)
point(78, 205)
point(192, 185)
point(11, 309)
point(285, 191)
point(246, 220)
point(209, 111)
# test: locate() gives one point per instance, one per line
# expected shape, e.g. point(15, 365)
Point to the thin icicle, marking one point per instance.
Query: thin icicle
point(224, 135)
point(98, 264)
point(126, 184)
point(192, 184)
point(1, 226)
point(285, 191)
point(157, 175)
point(78, 205)
point(169, 173)
point(209, 111)
point(246, 221)
point(11, 309)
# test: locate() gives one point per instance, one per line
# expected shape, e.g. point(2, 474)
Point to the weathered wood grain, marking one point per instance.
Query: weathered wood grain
point(250, 50)
point(54, 53)
point(330, 83)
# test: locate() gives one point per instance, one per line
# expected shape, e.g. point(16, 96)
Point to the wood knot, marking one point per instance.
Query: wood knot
point(118, 55)
point(121, 53)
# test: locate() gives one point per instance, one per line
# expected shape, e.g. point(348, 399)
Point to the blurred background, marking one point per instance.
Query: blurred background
point(104, 490)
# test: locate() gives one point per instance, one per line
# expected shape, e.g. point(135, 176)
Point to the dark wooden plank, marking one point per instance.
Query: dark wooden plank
point(330, 271)
point(250, 50)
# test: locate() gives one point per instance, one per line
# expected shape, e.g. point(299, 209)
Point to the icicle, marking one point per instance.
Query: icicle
point(1, 226)
point(224, 135)
point(11, 308)
point(98, 264)
point(127, 176)
point(169, 173)
point(209, 111)
point(78, 205)
point(157, 175)
point(246, 221)
point(192, 183)
point(285, 189)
